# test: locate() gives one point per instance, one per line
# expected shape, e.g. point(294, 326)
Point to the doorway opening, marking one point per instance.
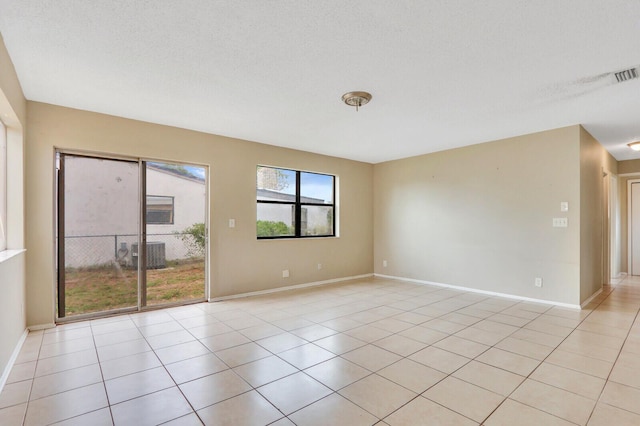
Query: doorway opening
point(131, 235)
point(633, 213)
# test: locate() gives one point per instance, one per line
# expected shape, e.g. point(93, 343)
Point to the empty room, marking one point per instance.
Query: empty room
point(319, 213)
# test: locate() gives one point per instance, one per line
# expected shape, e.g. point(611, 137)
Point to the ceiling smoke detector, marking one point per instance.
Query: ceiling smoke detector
point(625, 75)
point(356, 99)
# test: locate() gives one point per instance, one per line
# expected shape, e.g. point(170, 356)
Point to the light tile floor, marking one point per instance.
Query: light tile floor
point(358, 353)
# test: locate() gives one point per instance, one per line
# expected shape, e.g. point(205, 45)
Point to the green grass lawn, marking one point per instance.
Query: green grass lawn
point(109, 287)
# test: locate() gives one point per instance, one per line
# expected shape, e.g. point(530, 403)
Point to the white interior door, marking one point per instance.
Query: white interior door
point(635, 228)
point(606, 218)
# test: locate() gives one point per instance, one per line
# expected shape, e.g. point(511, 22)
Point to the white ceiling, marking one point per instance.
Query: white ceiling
point(443, 73)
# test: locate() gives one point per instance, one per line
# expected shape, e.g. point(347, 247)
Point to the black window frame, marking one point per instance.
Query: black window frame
point(298, 205)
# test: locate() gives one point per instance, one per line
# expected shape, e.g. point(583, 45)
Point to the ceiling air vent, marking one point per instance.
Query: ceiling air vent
point(625, 75)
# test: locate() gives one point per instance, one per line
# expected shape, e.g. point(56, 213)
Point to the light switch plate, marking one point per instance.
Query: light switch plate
point(564, 206)
point(232, 223)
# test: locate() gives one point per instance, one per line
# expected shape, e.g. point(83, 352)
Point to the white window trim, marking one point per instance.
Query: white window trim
point(3, 187)
point(6, 255)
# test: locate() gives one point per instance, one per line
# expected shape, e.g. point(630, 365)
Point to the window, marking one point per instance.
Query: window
point(294, 204)
point(3, 186)
point(159, 210)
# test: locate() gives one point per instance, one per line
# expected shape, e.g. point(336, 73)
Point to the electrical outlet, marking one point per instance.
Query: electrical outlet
point(319, 266)
point(538, 282)
point(384, 263)
point(285, 273)
point(560, 222)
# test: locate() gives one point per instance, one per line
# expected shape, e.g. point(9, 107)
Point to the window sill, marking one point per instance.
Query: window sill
point(328, 237)
point(5, 255)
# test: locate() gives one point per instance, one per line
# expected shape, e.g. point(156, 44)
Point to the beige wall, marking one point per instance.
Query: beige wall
point(238, 262)
point(629, 166)
point(481, 216)
point(12, 307)
point(12, 270)
point(12, 95)
point(594, 162)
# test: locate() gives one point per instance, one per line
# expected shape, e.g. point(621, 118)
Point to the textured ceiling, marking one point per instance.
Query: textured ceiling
point(443, 73)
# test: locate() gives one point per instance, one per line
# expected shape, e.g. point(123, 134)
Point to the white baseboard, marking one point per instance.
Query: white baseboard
point(489, 293)
point(12, 359)
point(41, 326)
point(292, 287)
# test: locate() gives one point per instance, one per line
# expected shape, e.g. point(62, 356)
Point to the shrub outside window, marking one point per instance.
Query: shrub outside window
point(294, 204)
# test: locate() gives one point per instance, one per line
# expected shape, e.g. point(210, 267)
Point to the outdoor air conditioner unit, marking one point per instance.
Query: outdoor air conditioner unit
point(156, 258)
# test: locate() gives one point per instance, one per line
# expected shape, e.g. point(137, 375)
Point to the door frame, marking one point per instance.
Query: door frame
point(614, 227)
point(610, 227)
point(58, 229)
point(605, 259)
point(629, 226)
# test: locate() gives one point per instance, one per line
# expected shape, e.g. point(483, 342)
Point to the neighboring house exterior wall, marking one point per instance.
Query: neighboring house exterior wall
point(313, 217)
point(102, 213)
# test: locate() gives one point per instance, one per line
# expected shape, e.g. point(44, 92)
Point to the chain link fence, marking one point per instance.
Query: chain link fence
point(89, 251)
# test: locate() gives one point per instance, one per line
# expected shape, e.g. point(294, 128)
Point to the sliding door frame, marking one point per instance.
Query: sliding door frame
point(59, 228)
point(60, 252)
point(142, 236)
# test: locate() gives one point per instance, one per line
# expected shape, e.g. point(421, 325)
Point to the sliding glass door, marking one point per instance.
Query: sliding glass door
point(98, 221)
point(175, 233)
point(131, 234)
